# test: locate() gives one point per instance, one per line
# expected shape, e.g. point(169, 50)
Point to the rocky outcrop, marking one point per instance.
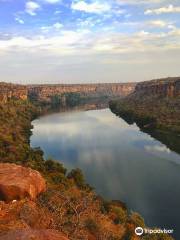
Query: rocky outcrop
point(31, 234)
point(168, 87)
point(12, 91)
point(155, 107)
point(45, 92)
point(17, 182)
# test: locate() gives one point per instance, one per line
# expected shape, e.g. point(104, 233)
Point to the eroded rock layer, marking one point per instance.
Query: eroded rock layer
point(44, 92)
point(168, 87)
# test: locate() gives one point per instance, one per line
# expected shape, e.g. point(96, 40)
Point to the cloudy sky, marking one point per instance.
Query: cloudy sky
point(71, 41)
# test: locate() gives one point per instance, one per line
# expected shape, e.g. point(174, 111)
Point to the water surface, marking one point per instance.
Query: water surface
point(118, 160)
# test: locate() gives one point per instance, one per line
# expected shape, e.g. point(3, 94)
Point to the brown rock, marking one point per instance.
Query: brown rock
point(30, 234)
point(17, 182)
point(167, 87)
point(45, 92)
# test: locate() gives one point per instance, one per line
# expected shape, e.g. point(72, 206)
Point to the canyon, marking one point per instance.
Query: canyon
point(167, 87)
point(83, 214)
point(45, 92)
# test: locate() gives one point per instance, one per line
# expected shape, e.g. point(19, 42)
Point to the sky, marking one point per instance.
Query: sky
point(76, 41)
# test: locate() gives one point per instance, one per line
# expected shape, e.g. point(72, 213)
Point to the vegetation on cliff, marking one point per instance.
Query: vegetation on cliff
point(150, 112)
point(160, 120)
point(69, 205)
point(153, 104)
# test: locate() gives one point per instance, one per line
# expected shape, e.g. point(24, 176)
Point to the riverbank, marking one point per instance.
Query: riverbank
point(155, 107)
point(83, 215)
point(150, 113)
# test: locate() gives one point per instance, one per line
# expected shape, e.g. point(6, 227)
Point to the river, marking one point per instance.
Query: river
point(118, 160)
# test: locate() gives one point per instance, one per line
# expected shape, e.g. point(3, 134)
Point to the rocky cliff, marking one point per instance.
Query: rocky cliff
point(45, 92)
point(154, 105)
point(12, 91)
point(167, 87)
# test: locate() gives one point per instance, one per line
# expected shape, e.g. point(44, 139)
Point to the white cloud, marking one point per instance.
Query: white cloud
point(84, 42)
point(94, 7)
point(158, 23)
point(56, 26)
point(32, 7)
point(137, 2)
point(57, 12)
point(52, 1)
point(19, 20)
point(168, 9)
point(161, 24)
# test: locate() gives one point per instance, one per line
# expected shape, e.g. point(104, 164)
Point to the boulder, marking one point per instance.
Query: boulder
point(17, 182)
point(31, 234)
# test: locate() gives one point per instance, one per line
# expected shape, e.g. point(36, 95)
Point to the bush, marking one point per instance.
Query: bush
point(58, 178)
point(53, 166)
point(78, 177)
point(121, 215)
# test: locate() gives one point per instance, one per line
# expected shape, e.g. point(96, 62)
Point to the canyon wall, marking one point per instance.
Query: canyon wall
point(12, 91)
point(45, 92)
point(167, 87)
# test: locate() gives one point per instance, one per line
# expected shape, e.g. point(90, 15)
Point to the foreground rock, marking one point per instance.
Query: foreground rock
point(17, 182)
point(30, 234)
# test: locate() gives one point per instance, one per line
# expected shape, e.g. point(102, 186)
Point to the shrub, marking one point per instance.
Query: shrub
point(53, 166)
point(58, 178)
point(78, 177)
point(121, 215)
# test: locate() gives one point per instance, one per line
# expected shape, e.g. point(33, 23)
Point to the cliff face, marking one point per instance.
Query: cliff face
point(45, 92)
point(169, 87)
point(154, 105)
point(12, 91)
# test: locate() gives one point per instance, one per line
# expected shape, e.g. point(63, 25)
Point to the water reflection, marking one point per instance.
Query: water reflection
point(118, 160)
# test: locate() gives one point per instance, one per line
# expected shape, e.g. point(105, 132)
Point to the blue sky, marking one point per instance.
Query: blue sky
point(70, 41)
